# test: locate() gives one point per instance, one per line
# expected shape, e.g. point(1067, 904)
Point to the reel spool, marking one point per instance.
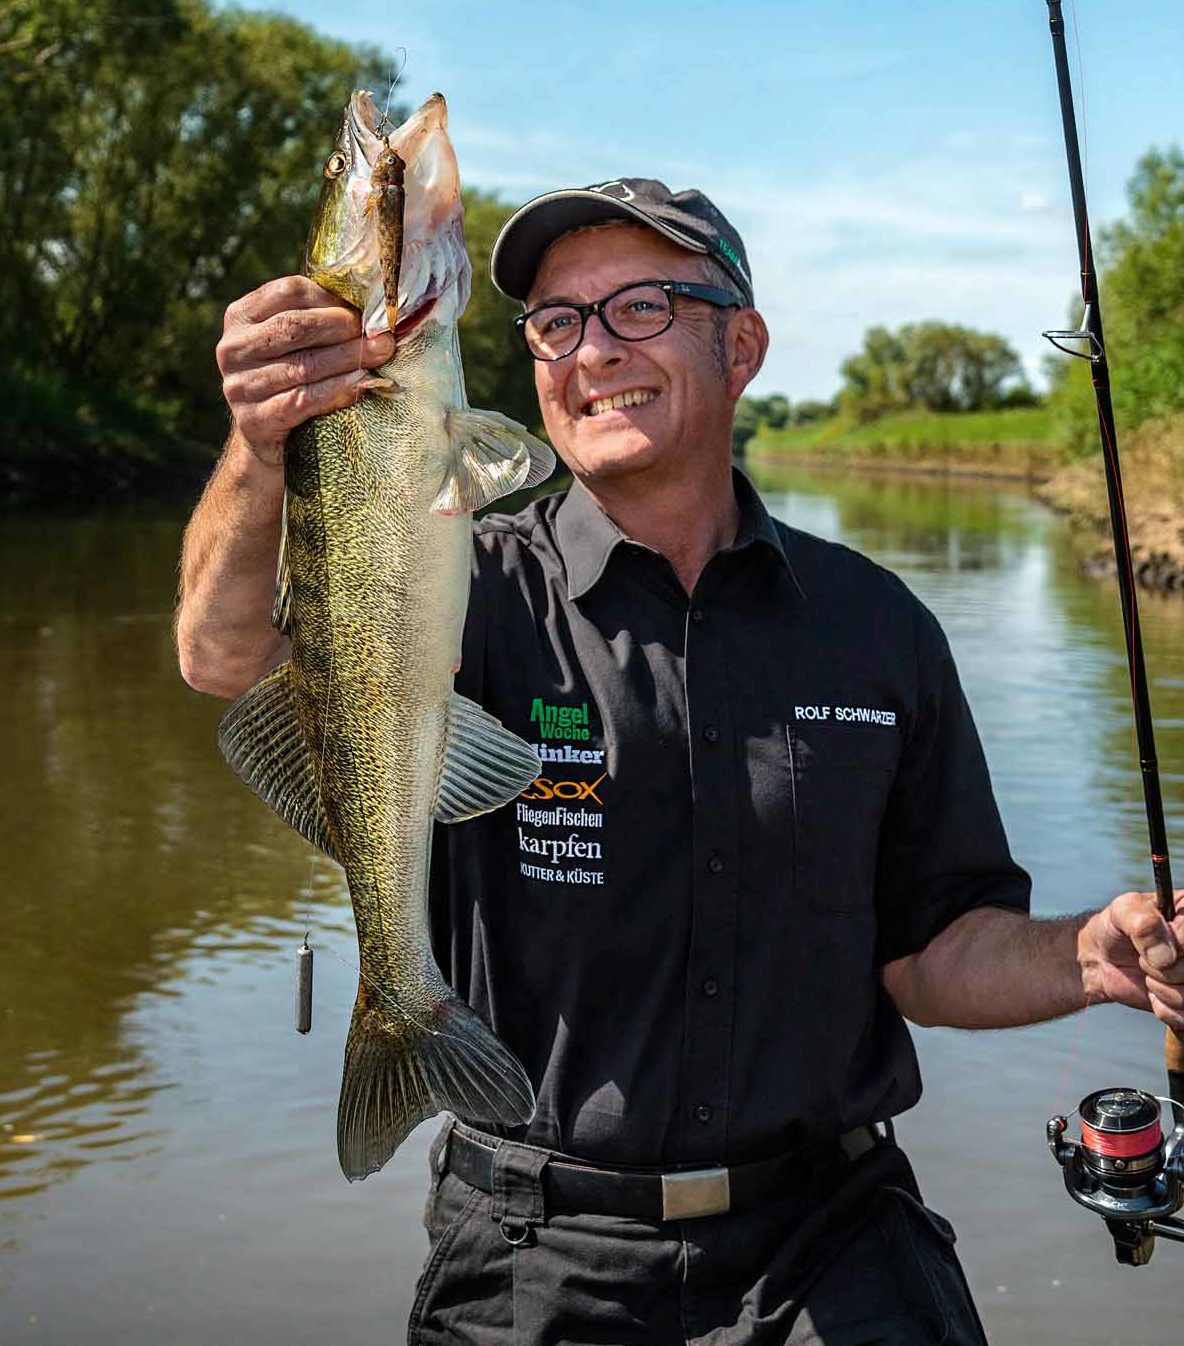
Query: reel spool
point(1124, 1169)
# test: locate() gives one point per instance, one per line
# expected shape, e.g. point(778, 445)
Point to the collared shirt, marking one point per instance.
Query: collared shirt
point(748, 799)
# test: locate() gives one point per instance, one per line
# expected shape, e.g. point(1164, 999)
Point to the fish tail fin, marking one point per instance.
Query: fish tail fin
point(399, 1072)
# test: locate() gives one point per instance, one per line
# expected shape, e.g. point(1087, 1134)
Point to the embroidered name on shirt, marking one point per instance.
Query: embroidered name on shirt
point(858, 714)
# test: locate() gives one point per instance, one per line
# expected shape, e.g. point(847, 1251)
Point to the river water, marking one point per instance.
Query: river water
point(168, 1169)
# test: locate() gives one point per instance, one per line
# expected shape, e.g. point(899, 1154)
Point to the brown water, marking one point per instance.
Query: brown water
point(167, 1161)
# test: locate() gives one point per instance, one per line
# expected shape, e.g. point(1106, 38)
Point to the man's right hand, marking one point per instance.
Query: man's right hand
point(291, 350)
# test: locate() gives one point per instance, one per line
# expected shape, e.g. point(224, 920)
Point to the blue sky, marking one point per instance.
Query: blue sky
point(886, 161)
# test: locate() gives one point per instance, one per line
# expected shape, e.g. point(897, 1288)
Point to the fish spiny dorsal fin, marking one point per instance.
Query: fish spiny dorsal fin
point(262, 739)
point(484, 765)
point(491, 456)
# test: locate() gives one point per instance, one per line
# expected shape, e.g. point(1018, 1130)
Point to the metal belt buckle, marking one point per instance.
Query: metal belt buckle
point(703, 1191)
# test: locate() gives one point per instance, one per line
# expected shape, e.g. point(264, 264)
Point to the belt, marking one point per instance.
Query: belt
point(574, 1188)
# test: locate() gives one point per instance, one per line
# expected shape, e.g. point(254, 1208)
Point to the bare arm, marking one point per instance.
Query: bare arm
point(996, 969)
point(289, 350)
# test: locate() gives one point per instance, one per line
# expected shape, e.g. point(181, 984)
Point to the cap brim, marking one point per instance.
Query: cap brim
point(531, 230)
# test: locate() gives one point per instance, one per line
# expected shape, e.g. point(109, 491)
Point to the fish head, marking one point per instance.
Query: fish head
point(343, 248)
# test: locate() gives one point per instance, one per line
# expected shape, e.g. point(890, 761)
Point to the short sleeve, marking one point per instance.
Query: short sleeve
point(942, 849)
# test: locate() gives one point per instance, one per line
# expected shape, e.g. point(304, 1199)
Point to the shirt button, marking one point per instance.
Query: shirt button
point(697, 615)
point(711, 733)
point(704, 1112)
point(715, 865)
point(710, 987)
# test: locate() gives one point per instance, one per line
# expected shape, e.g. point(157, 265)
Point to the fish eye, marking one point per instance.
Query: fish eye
point(336, 164)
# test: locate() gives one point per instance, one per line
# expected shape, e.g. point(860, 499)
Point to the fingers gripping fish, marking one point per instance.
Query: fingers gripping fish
point(359, 741)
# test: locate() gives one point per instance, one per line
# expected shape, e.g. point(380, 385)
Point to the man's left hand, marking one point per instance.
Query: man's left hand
point(1129, 954)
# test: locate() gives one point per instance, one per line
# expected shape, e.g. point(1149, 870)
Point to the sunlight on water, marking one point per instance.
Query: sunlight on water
point(167, 1141)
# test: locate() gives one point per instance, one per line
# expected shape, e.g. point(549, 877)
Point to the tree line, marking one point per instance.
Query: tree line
point(159, 158)
point(941, 367)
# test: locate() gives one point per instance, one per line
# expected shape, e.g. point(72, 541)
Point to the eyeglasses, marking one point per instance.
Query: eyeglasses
point(635, 312)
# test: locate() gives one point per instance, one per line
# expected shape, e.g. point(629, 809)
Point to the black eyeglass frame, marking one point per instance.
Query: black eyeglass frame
point(688, 289)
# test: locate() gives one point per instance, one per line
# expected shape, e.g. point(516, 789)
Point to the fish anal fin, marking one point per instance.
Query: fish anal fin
point(491, 456)
point(262, 738)
point(484, 764)
point(399, 1072)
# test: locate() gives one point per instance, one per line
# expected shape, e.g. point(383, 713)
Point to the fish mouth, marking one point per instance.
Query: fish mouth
point(629, 397)
point(434, 275)
point(420, 312)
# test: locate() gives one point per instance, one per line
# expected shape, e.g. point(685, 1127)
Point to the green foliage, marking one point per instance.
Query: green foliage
point(745, 423)
point(157, 160)
point(1142, 289)
point(933, 365)
point(498, 371)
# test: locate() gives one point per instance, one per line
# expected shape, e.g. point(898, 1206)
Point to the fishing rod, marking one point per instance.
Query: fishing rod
point(1123, 1168)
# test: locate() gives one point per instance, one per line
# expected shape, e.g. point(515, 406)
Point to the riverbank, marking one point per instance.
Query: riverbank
point(1152, 462)
point(1017, 444)
point(1014, 444)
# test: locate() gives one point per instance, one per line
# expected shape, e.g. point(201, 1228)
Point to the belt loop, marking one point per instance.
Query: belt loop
point(438, 1154)
point(517, 1198)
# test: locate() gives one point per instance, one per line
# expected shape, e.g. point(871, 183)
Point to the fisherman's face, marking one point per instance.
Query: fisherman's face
point(690, 406)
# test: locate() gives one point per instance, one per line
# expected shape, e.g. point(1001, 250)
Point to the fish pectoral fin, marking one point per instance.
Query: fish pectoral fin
point(400, 1071)
point(491, 456)
point(484, 765)
point(263, 740)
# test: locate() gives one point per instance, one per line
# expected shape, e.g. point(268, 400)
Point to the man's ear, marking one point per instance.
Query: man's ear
point(747, 342)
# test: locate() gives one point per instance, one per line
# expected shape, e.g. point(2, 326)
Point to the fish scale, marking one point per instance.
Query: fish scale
point(358, 740)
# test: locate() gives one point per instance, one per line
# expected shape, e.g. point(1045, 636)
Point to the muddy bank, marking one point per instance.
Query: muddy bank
point(1152, 462)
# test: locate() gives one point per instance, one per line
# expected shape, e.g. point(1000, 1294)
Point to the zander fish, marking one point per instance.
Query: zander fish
point(359, 741)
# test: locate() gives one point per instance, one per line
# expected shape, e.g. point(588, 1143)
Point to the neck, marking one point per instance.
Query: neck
point(687, 523)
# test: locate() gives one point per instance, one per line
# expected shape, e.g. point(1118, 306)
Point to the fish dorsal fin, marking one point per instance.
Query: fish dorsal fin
point(484, 766)
point(262, 739)
point(491, 456)
point(281, 611)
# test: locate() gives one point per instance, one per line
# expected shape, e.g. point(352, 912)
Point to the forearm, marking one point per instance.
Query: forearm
point(225, 640)
point(997, 969)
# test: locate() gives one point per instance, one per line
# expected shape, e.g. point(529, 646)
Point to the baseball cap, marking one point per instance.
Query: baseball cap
point(687, 218)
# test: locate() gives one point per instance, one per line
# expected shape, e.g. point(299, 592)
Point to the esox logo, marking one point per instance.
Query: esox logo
point(543, 787)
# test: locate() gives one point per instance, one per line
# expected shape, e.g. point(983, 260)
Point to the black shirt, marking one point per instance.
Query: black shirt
point(747, 800)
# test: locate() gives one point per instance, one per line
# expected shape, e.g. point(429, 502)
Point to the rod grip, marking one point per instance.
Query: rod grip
point(1173, 1052)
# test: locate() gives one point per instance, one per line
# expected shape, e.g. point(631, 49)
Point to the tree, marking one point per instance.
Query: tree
point(1141, 261)
point(498, 371)
point(931, 365)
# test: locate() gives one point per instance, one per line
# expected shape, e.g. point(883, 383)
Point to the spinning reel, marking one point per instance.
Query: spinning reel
point(1124, 1169)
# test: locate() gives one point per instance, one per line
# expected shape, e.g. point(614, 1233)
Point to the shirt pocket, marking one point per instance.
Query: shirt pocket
point(841, 778)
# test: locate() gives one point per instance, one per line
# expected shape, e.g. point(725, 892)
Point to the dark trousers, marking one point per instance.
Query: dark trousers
point(868, 1264)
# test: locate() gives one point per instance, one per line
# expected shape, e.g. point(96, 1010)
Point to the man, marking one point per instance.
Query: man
point(762, 836)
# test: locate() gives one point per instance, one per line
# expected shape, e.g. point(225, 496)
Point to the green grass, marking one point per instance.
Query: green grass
point(1015, 439)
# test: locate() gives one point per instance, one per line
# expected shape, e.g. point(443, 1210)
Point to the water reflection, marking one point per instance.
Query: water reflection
point(149, 907)
point(121, 850)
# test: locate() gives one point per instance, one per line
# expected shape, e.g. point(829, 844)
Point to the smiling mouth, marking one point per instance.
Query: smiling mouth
point(635, 397)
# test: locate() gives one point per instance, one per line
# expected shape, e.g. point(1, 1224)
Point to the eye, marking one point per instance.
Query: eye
point(557, 322)
point(336, 164)
point(643, 306)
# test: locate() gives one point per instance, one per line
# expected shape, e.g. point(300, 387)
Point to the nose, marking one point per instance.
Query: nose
point(600, 349)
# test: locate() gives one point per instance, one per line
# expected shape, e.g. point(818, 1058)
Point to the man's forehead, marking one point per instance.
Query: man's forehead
point(613, 253)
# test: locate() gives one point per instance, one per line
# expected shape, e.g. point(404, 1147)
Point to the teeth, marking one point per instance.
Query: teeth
point(635, 397)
